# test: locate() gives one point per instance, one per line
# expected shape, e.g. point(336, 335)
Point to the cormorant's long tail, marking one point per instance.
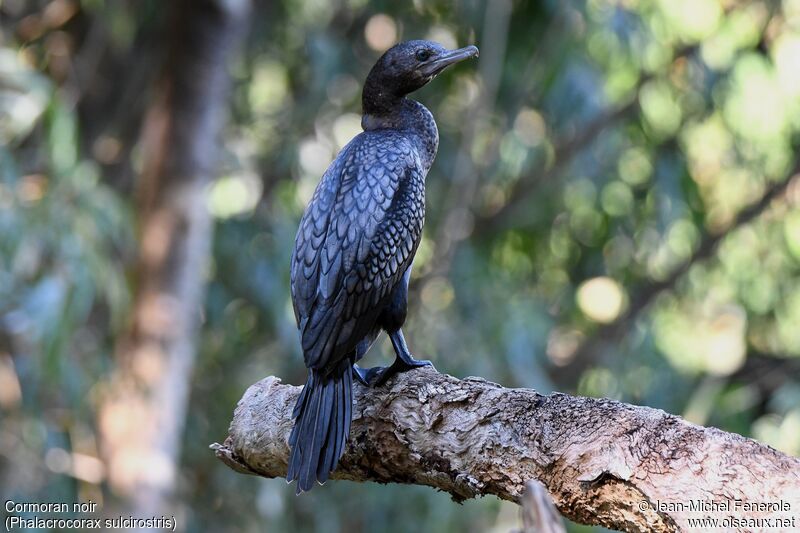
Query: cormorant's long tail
point(322, 424)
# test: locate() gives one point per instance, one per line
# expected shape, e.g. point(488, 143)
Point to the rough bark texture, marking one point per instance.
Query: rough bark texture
point(602, 461)
point(143, 413)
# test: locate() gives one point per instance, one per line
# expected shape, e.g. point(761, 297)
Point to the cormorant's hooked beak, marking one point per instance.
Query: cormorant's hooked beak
point(448, 58)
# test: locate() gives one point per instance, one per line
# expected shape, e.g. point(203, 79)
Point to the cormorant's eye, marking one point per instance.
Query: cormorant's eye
point(423, 55)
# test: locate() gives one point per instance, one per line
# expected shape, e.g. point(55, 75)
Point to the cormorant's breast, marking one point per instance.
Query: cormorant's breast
point(357, 238)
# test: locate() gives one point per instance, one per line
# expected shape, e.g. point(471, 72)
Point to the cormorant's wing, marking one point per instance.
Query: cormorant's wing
point(356, 239)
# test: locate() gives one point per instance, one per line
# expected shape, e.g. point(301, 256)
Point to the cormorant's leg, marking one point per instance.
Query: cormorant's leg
point(403, 354)
point(361, 374)
point(404, 361)
point(364, 375)
point(391, 320)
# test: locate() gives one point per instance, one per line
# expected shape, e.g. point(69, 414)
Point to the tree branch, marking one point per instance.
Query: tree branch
point(598, 458)
point(610, 334)
point(564, 151)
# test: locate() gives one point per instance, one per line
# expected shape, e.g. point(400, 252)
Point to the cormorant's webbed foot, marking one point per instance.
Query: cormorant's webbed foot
point(398, 366)
point(366, 375)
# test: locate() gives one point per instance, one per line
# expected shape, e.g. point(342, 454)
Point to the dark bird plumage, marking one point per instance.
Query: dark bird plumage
point(353, 252)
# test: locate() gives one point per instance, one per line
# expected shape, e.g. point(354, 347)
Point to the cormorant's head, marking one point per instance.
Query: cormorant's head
point(408, 66)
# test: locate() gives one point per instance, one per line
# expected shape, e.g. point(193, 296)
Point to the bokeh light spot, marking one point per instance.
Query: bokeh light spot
point(345, 128)
point(529, 126)
point(234, 195)
point(380, 32)
point(601, 299)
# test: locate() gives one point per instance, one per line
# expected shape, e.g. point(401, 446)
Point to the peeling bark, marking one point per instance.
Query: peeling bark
point(599, 459)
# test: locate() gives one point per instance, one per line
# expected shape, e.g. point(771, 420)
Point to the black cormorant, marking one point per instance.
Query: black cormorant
point(353, 252)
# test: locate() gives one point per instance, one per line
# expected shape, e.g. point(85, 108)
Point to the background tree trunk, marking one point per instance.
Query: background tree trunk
point(143, 416)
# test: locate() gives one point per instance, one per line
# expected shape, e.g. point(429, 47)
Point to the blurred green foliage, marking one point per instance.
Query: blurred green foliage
point(596, 147)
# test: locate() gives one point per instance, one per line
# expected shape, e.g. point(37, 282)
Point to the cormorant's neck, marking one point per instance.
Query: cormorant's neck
point(377, 99)
point(410, 116)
